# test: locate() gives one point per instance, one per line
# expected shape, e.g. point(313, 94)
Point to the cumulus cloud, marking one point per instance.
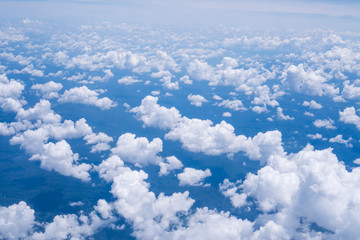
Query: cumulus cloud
point(339, 139)
point(193, 177)
point(312, 104)
point(171, 163)
point(198, 135)
point(49, 89)
point(235, 104)
point(326, 123)
point(84, 95)
point(138, 150)
point(308, 81)
point(10, 93)
point(196, 100)
point(16, 221)
point(99, 141)
point(281, 115)
point(349, 116)
point(314, 136)
point(230, 190)
point(128, 80)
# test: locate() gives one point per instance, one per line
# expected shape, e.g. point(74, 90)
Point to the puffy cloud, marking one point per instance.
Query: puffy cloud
point(198, 135)
point(186, 79)
point(41, 111)
point(193, 177)
point(99, 141)
point(152, 114)
point(314, 136)
point(307, 81)
point(229, 189)
point(326, 123)
point(312, 104)
point(49, 89)
point(138, 151)
point(60, 158)
point(227, 114)
point(10, 92)
point(235, 104)
point(196, 100)
point(84, 95)
point(128, 80)
point(349, 116)
point(77, 227)
point(339, 139)
point(16, 221)
point(171, 163)
point(29, 69)
point(306, 185)
point(281, 115)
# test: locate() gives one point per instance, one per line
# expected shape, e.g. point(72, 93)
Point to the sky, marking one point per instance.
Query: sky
point(179, 120)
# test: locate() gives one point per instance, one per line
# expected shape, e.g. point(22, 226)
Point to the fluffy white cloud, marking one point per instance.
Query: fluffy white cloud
point(227, 114)
point(128, 80)
point(326, 123)
point(312, 104)
point(60, 158)
point(139, 150)
point(16, 221)
point(152, 114)
point(171, 163)
point(84, 95)
point(196, 100)
point(307, 81)
point(193, 177)
point(339, 139)
point(349, 116)
point(314, 136)
point(41, 111)
point(10, 93)
point(306, 185)
point(229, 189)
point(235, 104)
point(99, 141)
point(281, 115)
point(49, 89)
point(198, 135)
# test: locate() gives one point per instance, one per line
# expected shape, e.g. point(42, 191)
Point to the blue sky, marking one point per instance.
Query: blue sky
point(179, 120)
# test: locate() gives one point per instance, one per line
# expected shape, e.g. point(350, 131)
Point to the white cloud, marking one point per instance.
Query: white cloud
point(60, 158)
point(316, 136)
point(16, 221)
point(138, 151)
point(152, 114)
point(339, 139)
point(306, 185)
point(10, 92)
point(309, 114)
point(349, 116)
point(307, 81)
point(193, 177)
point(128, 80)
point(49, 89)
point(235, 104)
point(172, 163)
point(198, 135)
point(84, 95)
point(99, 141)
point(196, 100)
point(326, 123)
point(186, 79)
point(281, 116)
point(312, 104)
point(229, 189)
point(227, 114)
point(41, 111)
